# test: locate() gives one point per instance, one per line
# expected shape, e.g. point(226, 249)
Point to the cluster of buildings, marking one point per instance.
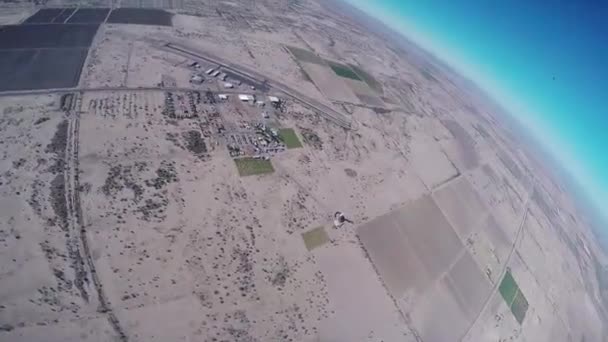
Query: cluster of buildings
point(199, 77)
point(258, 141)
point(182, 105)
point(252, 99)
point(255, 140)
point(215, 72)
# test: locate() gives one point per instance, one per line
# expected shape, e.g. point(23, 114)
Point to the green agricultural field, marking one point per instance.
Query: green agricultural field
point(368, 79)
point(428, 75)
point(289, 137)
point(306, 76)
point(315, 238)
point(519, 307)
point(305, 55)
point(508, 288)
point(513, 296)
point(252, 166)
point(343, 71)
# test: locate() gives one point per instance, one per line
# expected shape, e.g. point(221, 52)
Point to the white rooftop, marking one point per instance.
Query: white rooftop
point(244, 97)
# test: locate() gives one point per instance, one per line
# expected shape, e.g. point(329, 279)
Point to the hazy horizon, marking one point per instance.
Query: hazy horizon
point(527, 59)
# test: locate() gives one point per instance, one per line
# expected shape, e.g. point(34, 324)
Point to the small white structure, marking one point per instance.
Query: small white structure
point(265, 115)
point(210, 71)
point(223, 97)
point(273, 99)
point(223, 76)
point(228, 85)
point(247, 98)
point(197, 79)
point(216, 73)
point(260, 103)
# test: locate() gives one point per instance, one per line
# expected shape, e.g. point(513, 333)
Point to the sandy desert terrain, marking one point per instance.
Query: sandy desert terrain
point(139, 205)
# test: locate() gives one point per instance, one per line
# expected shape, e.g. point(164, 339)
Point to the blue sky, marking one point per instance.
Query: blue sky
point(545, 61)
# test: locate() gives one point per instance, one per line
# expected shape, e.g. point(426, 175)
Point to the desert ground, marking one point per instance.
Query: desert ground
point(171, 171)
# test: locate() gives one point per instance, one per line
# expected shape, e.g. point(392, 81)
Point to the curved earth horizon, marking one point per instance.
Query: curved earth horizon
point(301, 170)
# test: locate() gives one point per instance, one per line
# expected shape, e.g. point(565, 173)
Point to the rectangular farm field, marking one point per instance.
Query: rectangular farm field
point(253, 166)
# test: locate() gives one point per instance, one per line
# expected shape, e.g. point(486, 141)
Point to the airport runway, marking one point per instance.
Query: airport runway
point(327, 112)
